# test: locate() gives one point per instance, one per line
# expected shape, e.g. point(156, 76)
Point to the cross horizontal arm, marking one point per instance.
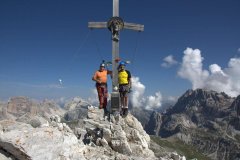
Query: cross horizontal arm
point(133, 26)
point(97, 25)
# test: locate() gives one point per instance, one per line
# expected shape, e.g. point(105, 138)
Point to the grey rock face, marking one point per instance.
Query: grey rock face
point(236, 107)
point(142, 115)
point(3, 111)
point(207, 120)
point(25, 142)
point(209, 103)
point(76, 109)
point(154, 124)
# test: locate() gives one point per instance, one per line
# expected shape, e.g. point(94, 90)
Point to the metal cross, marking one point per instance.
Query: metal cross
point(115, 24)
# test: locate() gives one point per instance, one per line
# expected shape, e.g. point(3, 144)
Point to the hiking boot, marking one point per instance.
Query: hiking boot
point(121, 113)
point(125, 112)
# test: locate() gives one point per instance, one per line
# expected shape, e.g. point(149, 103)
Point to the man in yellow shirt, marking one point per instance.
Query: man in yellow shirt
point(124, 80)
point(100, 77)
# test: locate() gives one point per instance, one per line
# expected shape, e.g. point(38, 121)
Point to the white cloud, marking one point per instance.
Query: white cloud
point(169, 61)
point(214, 68)
point(238, 50)
point(191, 68)
point(154, 101)
point(94, 98)
point(52, 86)
point(138, 90)
point(138, 99)
point(170, 99)
point(222, 80)
point(48, 86)
point(233, 71)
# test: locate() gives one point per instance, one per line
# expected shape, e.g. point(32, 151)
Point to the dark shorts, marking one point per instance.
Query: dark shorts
point(123, 90)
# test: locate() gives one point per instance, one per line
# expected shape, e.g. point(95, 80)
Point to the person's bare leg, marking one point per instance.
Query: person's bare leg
point(122, 104)
point(125, 102)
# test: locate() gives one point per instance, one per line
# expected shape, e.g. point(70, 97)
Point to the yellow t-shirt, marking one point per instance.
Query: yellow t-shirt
point(123, 77)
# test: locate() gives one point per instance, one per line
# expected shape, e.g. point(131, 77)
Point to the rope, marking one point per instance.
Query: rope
point(81, 45)
point(98, 49)
point(135, 50)
point(75, 54)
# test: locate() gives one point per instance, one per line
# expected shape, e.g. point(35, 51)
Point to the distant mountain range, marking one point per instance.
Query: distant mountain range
point(34, 130)
point(206, 120)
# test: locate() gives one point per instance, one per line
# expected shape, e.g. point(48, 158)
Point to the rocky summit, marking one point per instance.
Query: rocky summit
point(96, 137)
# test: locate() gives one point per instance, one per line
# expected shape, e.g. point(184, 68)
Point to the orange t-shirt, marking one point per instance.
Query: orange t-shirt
point(102, 76)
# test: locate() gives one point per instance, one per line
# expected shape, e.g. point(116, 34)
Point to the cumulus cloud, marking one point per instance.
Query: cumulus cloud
point(233, 71)
point(94, 98)
point(214, 68)
point(154, 101)
point(222, 80)
point(191, 68)
point(138, 90)
point(169, 61)
point(52, 86)
point(138, 99)
point(48, 86)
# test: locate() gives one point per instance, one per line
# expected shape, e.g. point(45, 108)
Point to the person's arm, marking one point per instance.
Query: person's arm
point(129, 79)
point(130, 82)
point(129, 85)
point(94, 78)
point(109, 72)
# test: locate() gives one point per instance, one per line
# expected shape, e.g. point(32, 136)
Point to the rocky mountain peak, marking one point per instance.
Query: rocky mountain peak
point(20, 105)
point(207, 120)
point(205, 94)
point(76, 102)
point(201, 98)
point(25, 109)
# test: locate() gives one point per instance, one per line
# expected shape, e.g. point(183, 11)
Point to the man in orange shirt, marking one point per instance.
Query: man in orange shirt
point(100, 77)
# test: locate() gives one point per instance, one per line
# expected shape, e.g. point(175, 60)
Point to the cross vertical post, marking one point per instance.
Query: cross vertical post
point(115, 50)
point(115, 24)
point(115, 8)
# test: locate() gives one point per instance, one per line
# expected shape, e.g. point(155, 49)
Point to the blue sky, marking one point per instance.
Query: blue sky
point(44, 41)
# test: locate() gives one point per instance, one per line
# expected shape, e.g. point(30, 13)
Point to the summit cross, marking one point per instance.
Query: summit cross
point(115, 24)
